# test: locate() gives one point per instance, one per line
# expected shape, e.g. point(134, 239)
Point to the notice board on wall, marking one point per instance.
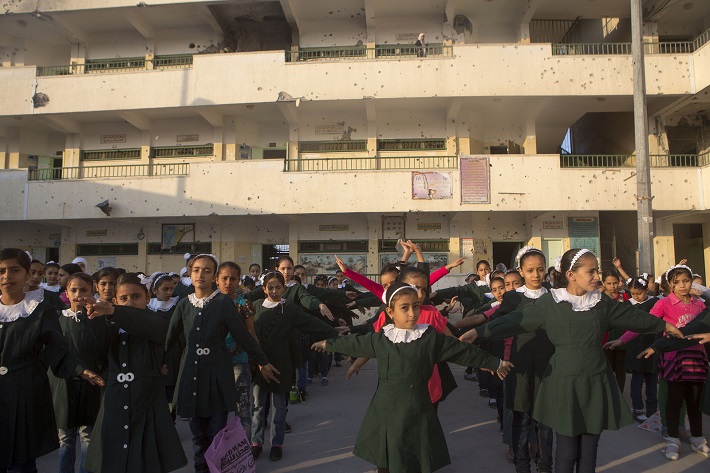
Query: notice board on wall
point(475, 180)
point(584, 233)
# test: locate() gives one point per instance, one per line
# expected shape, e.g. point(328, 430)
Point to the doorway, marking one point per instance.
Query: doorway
point(505, 252)
point(688, 243)
point(552, 248)
point(271, 254)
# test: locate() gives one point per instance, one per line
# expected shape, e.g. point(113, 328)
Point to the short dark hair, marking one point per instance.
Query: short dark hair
point(15, 253)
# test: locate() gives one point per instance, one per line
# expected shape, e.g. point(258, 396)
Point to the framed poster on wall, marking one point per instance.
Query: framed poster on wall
point(175, 233)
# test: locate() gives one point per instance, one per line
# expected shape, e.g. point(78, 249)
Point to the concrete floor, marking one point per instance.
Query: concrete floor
point(325, 427)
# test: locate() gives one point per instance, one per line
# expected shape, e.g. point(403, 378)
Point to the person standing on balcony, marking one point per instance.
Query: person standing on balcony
point(421, 45)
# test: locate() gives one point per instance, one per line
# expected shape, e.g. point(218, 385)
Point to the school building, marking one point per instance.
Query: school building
point(131, 133)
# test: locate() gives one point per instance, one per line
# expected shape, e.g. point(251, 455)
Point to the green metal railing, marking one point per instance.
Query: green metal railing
point(384, 51)
point(183, 151)
point(98, 172)
point(330, 146)
point(97, 66)
point(663, 47)
point(106, 154)
point(371, 163)
point(413, 144)
point(629, 160)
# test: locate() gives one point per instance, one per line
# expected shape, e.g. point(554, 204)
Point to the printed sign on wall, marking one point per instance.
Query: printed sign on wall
point(475, 180)
point(112, 139)
point(584, 233)
point(431, 185)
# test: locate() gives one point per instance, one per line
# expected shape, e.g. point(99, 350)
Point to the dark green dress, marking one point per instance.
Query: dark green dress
point(27, 426)
point(640, 343)
point(205, 385)
point(76, 402)
point(274, 327)
point(400, 430)
point(134, 431)
point(470, 292)
point(173, 356)
point(530, 353)
point(579, 393)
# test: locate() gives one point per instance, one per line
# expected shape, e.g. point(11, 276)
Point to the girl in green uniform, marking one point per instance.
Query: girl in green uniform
point(578, 395)
point(133, 432)
point(30, 338)
point(76, 404)
point(400, 431)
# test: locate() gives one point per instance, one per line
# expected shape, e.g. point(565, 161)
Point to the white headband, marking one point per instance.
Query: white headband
point(145, 280)
point(557, 264)
point(384, 295)
point(678, 266)
point(524, 251)
point(208, 255)
point(579, 254)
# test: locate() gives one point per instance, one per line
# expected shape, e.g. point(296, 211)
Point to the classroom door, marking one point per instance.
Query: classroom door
point(552, 248)
point(505, 252)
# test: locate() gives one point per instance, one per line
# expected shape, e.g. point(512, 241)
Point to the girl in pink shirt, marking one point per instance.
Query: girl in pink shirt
point(686, 370)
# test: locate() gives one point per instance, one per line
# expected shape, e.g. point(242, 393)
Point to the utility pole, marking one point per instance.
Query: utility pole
point(644, 207)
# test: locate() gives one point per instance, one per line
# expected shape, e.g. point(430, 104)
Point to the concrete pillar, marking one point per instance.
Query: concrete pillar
point(78, 57)
point(293, 152)
point(455, 225)
point(452, 145)
point(3, 153)
point(72, 151)
point(145, 147)
point(483, 246)
point(67, 249)
point(218, 143)
point(229, 144)
point(293, 232)
point(663, 246)
point(524, 32)
point(246, 132)
point(142, 252)
point(18, 52)
point(149, 54)
point(12, 152)
point(476, 132)
point(530, 143)
point(374, 230)
point(706, 250)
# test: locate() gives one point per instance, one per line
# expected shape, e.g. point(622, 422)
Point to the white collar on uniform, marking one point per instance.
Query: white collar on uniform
point(56, 288)
point(201, 303)
point(157, 305)
point(404, 335)
point(495, 304)
point(269, 304)
point(23, 309)
point(187, 282)
point(291, 283)
point(579, 303)
point(635, 302)
point(531, 293)
point(70, 314)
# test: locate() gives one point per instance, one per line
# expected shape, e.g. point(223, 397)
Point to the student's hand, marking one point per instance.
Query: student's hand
point(613, 345)
point(353, 370)
point(319, 346)
point(432, 295)
point(469, 337)
point(616, 262)
point(456, 263)
point(343, 330)
point(672, 331)
point(352, 295)
point(683, 261)
point(267, 372)
point(98, 309)
point(647, 353)
point(504, 369)
point(452, 303)
point(343, 267)
point(408, 250)
point(164, 370)
point(325, 312)
point(93, 378)
point(700, 337)
point(342, 323)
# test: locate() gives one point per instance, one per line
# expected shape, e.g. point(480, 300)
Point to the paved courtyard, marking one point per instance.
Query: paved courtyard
point(325, 427)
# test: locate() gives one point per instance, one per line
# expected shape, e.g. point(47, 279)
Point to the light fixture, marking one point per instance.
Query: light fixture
point(105, 207)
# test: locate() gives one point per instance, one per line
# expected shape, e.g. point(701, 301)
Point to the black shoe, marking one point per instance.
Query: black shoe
point(483, 392)
point(287, 430)
point(276, 454)
point(256, 451)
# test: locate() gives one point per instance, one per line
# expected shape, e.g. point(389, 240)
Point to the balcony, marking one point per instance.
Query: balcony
point(132, 64)
point(197, 151)
point(605, 49)
point(629, 160)
point(380, 51)
point(332, 146)
point(110, 154)
point(435, 144)
point(373, 163)
point(102, 172)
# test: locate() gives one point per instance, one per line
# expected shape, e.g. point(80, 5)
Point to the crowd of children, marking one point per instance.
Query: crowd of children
point(111, 359)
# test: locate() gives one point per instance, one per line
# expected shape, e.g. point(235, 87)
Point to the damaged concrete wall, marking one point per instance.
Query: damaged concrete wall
point(388, 28)
point(684, 134)
point(332, 32)
point(411, 124)
point(353, 124)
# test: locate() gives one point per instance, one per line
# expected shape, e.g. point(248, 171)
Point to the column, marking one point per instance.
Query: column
point(67, 249)
point(374, 230)
point(706, 250)
point(218, 143)
point(455, 232)
point(246, 133)
point(3, 153)
point(663, 246)
point(149, 54)
point(476, 131)
point(78, 58)
point(293, 232)
point(13, 148)
point(229, 139)
point(145, 148)
point(530, 143)
point(482, 247)
point(72, 151)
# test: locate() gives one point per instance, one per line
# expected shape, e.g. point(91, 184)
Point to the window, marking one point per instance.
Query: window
point(182, 248)
point(389, 246)
point(107, 249)
point(332, 246)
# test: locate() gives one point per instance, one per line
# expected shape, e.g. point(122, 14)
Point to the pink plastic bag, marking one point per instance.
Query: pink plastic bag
point(230, 451)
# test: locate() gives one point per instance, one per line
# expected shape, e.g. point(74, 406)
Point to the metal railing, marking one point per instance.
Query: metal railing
point(106, 154)
point(381, 51)
point(629, 160)
point(97, 66)
point(98, 172)
point(371, 163)
point(662, 47)
point(183, 151)
point(414, 144)
point(330, 146)
point(554, 31)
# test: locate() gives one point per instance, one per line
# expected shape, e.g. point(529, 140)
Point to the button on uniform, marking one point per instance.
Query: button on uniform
point(3, 370)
